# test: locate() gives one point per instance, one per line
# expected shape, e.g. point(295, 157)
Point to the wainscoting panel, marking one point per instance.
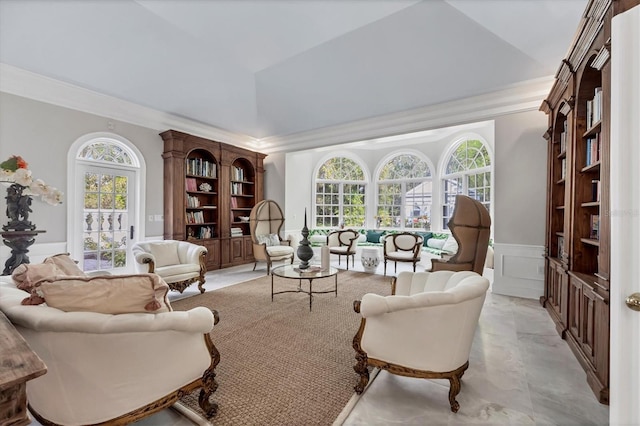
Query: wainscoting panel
point(519, 270)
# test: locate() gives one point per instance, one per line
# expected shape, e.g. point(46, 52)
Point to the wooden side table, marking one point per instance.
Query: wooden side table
point(18, 364)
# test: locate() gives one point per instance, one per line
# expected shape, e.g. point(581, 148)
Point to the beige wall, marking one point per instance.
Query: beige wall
point(43, 133)
point(520, 178)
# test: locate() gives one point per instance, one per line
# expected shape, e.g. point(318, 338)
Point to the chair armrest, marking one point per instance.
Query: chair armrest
point(144, 258)
point(286, 242)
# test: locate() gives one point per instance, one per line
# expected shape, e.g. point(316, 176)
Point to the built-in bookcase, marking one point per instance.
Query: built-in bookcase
point(209, 187)
point(578, 228)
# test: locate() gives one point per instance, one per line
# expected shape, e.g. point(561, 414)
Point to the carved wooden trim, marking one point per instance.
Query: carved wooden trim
point(603, 56)
point(206, 382)
point(547, 134)
point(361, 356)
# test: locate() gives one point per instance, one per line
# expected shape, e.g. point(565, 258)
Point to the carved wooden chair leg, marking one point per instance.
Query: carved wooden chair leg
point(453, 392)
point(385, 267)
point(255, 264)
point(363, 371)
point(201, 284)
point(209, 384)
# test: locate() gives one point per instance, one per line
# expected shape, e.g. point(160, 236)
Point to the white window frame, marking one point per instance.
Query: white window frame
point(340, 183)
point(403, 182)
point(446, 157)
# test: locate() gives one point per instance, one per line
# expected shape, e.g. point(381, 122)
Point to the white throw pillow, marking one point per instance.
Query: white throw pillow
point(436, 243)
point(450, 245)
point(165, 253)
point(269, 240)
point(273, 240)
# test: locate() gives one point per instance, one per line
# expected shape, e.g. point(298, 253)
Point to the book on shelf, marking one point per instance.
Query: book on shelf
point(560, 247)
point(563, 168)
point(594, 108)
point(195, 217)
point(234, 203)
point(238, 173)
point(190, 184)
point(563, 137)
point(193, 202)
point(236, 188)
point(236, 232)
point(593, 150)
point(595, 226)
point(595, 190)
point(201, 167)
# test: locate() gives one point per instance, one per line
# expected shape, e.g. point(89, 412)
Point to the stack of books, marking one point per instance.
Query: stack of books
point(236, 232)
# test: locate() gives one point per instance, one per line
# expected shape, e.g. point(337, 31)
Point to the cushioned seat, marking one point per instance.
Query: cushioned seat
point(179, 263)
point(425, 329)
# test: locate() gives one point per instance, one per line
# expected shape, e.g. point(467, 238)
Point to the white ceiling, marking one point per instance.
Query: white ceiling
point(278, 67)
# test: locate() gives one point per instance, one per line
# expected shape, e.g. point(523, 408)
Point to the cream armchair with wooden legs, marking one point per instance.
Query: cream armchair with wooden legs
point(112, 368)
point(343, 243)
point(179, 263)
point(424, 329)
point(402, 247)
point(265, 222)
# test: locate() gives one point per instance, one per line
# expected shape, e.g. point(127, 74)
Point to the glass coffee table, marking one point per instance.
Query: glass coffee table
point(295, 273)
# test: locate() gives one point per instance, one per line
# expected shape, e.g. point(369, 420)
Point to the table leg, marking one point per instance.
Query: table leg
point(336, 282)
point(271, 287)
point(310, 294)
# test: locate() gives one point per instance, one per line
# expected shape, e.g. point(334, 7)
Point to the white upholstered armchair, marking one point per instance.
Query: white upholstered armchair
point(424, 329)
point(113, 369)
point(179, 263)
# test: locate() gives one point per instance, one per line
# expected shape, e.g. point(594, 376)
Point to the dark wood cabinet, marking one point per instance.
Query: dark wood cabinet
point(209, 187)
point(577, 236)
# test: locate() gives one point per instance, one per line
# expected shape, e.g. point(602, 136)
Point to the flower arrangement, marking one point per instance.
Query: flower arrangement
point(14, 171)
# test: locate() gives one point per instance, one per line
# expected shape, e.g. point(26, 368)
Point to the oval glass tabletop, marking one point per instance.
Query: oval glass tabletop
point(294, 271)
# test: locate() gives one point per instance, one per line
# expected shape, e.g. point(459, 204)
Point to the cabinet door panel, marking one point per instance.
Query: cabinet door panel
point(237, 249)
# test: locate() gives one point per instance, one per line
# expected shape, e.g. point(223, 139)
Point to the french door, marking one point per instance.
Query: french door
point(107, 218)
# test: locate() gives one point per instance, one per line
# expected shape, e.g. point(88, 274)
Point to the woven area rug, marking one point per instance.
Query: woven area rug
point(281, 364)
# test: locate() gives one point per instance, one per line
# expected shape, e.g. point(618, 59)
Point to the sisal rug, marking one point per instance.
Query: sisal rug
point(281, 364)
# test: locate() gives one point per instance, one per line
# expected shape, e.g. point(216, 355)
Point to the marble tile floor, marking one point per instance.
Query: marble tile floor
point(521, 372)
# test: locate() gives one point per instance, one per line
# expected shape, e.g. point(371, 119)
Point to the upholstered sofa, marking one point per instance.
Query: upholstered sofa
point(111, 368)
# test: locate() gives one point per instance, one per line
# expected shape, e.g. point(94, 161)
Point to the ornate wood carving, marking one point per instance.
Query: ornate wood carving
point(207, 384)
point(363, 362)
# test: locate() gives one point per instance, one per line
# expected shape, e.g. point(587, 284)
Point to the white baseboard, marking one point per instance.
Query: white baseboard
point(519, 270)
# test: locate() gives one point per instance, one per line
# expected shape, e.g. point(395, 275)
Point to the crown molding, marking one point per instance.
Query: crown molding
point(20, 82)
point(524, 96)
point(520, 97)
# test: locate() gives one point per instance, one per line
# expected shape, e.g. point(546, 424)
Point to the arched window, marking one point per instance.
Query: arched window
point(340, 193)
point(468, 172)
point(404, 193)
point(106, 186)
